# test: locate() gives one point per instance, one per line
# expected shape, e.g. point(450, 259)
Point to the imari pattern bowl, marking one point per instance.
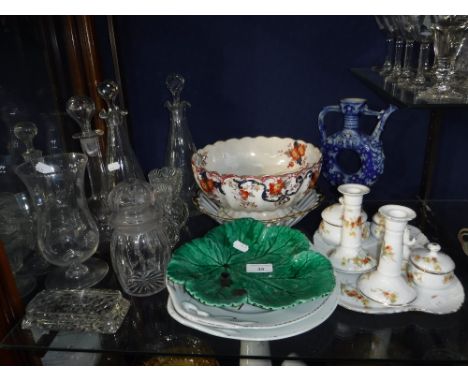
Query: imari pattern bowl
point(258, 177)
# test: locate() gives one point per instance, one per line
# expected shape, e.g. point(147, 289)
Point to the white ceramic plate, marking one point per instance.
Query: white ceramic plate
point(275, 333)
point(246, 317)
point(296, 214)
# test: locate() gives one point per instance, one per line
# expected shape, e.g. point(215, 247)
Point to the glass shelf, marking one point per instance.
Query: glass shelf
point(347, 337)
point(390, 92)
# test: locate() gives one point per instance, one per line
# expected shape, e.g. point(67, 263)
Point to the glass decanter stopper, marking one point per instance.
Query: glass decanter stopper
point(81, 109)
point(25, 132)
point(180, 147)
point(121, 161)
point(66, 231)
point(140, 249)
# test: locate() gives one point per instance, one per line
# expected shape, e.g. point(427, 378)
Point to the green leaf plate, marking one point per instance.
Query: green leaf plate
point(214, 271)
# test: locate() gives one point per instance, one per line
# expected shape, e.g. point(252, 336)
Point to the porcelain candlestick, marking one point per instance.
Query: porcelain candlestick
point(349, 255)
point(387, 285)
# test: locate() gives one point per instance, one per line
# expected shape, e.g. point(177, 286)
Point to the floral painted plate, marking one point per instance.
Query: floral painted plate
point(246, 262)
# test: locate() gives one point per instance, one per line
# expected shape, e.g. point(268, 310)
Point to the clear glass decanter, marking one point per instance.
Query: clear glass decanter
point(121, 161)
point(67, 234)
point(81, 109)
point(180, 146)
point(140, 249)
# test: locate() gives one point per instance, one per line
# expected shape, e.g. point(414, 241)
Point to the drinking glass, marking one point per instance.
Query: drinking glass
point(408, 31)
point(167, 183)
point(448, 32)
point(393, 26)
point(389, 41)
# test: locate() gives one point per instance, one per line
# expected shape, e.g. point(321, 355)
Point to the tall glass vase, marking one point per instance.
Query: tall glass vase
point(67, 233)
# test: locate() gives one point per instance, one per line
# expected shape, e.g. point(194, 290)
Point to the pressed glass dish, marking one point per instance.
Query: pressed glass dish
point(89, 310)
point(246, 262)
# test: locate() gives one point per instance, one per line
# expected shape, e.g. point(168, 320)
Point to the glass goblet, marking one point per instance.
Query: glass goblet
point(447, 31)
point(392, 24)
point(389, 41)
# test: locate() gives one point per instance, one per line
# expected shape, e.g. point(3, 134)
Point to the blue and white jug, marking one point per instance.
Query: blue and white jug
point(367, 147)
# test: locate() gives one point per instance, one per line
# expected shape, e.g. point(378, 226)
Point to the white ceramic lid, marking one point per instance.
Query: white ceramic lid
point(378, 219)
point(430, 259)
point(334, 214)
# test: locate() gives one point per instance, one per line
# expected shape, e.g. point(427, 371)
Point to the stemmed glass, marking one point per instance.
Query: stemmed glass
point(460, 64)
point(421, 24)
point(408, 31)
point(448, 31)
point(393, 26)
point(390, 41)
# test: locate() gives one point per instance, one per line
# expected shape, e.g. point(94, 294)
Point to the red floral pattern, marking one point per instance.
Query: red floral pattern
point(297, 153)
point(276, 187)
point(244, 194)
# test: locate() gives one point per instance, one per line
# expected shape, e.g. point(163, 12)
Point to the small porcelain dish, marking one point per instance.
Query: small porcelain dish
point(430, 268)
point(246, 262)
point(261, 177)
point(332, 222)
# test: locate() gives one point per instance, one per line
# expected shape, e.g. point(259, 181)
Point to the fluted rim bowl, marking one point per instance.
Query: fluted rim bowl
point(258, 177)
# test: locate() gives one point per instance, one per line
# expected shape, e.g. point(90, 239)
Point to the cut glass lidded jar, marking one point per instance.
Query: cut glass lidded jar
point(140, 248)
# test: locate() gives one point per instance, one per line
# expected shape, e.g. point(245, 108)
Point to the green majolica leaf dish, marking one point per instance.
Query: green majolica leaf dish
point(214, 271)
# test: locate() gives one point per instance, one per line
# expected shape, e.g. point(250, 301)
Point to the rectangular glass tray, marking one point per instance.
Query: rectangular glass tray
point(90, 310)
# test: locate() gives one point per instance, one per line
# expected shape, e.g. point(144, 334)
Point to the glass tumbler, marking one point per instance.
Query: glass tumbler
point(67, 235)
point(167, 184)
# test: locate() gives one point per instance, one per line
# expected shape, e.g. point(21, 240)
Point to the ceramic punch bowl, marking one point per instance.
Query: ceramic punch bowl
point(246, 262)
point(257, 177)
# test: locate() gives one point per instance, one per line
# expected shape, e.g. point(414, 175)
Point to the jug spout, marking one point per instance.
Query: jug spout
point(383, 116)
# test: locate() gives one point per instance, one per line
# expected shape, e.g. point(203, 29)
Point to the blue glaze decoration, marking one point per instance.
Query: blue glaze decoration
point(368, 147)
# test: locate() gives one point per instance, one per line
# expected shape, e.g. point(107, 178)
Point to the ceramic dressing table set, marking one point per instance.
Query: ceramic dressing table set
point(394, 268)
